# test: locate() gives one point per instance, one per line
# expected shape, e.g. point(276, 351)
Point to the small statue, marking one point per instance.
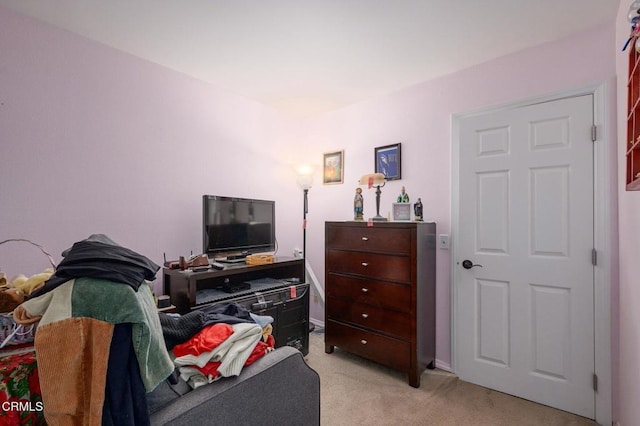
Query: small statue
point(403, 197)
point(358, 202)
point(417, 210)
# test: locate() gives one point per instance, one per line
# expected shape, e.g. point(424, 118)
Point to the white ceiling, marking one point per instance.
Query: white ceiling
point(307, 57)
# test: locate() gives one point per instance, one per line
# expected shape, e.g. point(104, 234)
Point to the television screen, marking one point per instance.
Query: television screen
point(237, 226)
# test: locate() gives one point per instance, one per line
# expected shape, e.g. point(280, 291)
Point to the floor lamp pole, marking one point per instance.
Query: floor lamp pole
point(305, 210)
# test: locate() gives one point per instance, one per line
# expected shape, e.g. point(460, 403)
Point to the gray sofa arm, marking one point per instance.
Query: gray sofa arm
point(278, 389)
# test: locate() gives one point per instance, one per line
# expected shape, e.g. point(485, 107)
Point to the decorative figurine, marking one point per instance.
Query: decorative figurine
point(417, 210)
point(358, 202)
point(403, 197)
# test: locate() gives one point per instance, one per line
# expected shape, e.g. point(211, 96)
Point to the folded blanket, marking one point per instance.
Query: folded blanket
point(195, 376)
point(232, 353)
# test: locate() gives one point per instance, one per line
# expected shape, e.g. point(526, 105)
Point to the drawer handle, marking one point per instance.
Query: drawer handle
point(365, 264)
point(365, 238)
point(364, 342)
point(365, 290)
point(365, 315)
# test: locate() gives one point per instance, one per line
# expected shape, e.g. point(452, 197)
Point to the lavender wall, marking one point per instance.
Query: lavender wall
point(629, 212)
point(420, 118)
point(93, 140)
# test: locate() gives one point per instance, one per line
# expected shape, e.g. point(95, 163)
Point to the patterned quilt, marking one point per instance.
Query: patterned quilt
point(20, 397)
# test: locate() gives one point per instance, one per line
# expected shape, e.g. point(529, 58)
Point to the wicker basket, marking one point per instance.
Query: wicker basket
point(12, 333)
point(15, 334)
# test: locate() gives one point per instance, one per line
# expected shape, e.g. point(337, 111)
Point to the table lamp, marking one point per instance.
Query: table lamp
point(378, 180)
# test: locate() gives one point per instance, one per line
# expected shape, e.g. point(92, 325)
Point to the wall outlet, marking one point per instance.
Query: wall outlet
point(443, 241)
point(297, 253)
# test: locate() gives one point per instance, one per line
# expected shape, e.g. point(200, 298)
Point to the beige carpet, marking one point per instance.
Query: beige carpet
point(358, 392)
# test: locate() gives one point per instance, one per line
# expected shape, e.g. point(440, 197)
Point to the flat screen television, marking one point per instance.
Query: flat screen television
point(237, 227)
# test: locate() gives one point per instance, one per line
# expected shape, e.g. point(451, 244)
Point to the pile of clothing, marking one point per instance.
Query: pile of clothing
point(99, 342)
point(216, 342)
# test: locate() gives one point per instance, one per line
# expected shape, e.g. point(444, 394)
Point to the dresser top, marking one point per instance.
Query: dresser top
point(391, 224)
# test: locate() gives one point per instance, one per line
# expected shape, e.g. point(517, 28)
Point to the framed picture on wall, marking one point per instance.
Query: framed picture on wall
point(333, 167)
point(387, 160)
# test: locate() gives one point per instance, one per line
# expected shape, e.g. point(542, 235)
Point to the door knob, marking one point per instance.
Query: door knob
point(467, 264)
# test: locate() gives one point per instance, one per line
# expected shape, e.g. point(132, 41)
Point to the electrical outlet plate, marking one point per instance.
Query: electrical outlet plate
point(443, 241)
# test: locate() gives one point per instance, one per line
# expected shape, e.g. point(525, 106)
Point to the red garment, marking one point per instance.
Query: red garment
point(205, 341)
point(210, 370)
point(260, 350)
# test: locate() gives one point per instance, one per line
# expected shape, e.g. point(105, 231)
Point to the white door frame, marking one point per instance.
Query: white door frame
point(602, 233)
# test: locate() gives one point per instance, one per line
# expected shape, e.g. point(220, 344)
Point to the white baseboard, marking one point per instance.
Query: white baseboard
point(316, 322)
point(443, 366)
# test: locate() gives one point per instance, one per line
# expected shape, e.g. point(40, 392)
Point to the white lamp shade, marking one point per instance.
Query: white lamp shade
point(305, 176)
point(372, 179)
point(305, 181)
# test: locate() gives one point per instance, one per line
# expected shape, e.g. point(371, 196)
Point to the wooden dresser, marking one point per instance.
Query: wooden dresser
point(380, 288)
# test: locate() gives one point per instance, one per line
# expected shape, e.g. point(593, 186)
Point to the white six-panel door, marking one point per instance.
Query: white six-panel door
point(524, 319)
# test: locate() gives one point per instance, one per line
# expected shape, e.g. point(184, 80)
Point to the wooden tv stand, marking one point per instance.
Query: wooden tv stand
point(183, 286)
point(286, 302)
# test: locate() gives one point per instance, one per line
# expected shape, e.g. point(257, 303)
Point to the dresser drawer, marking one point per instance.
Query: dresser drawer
point(379, 266)
point(393, 323)
point(384, 350)
point(396, 241)
point(381, 294)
